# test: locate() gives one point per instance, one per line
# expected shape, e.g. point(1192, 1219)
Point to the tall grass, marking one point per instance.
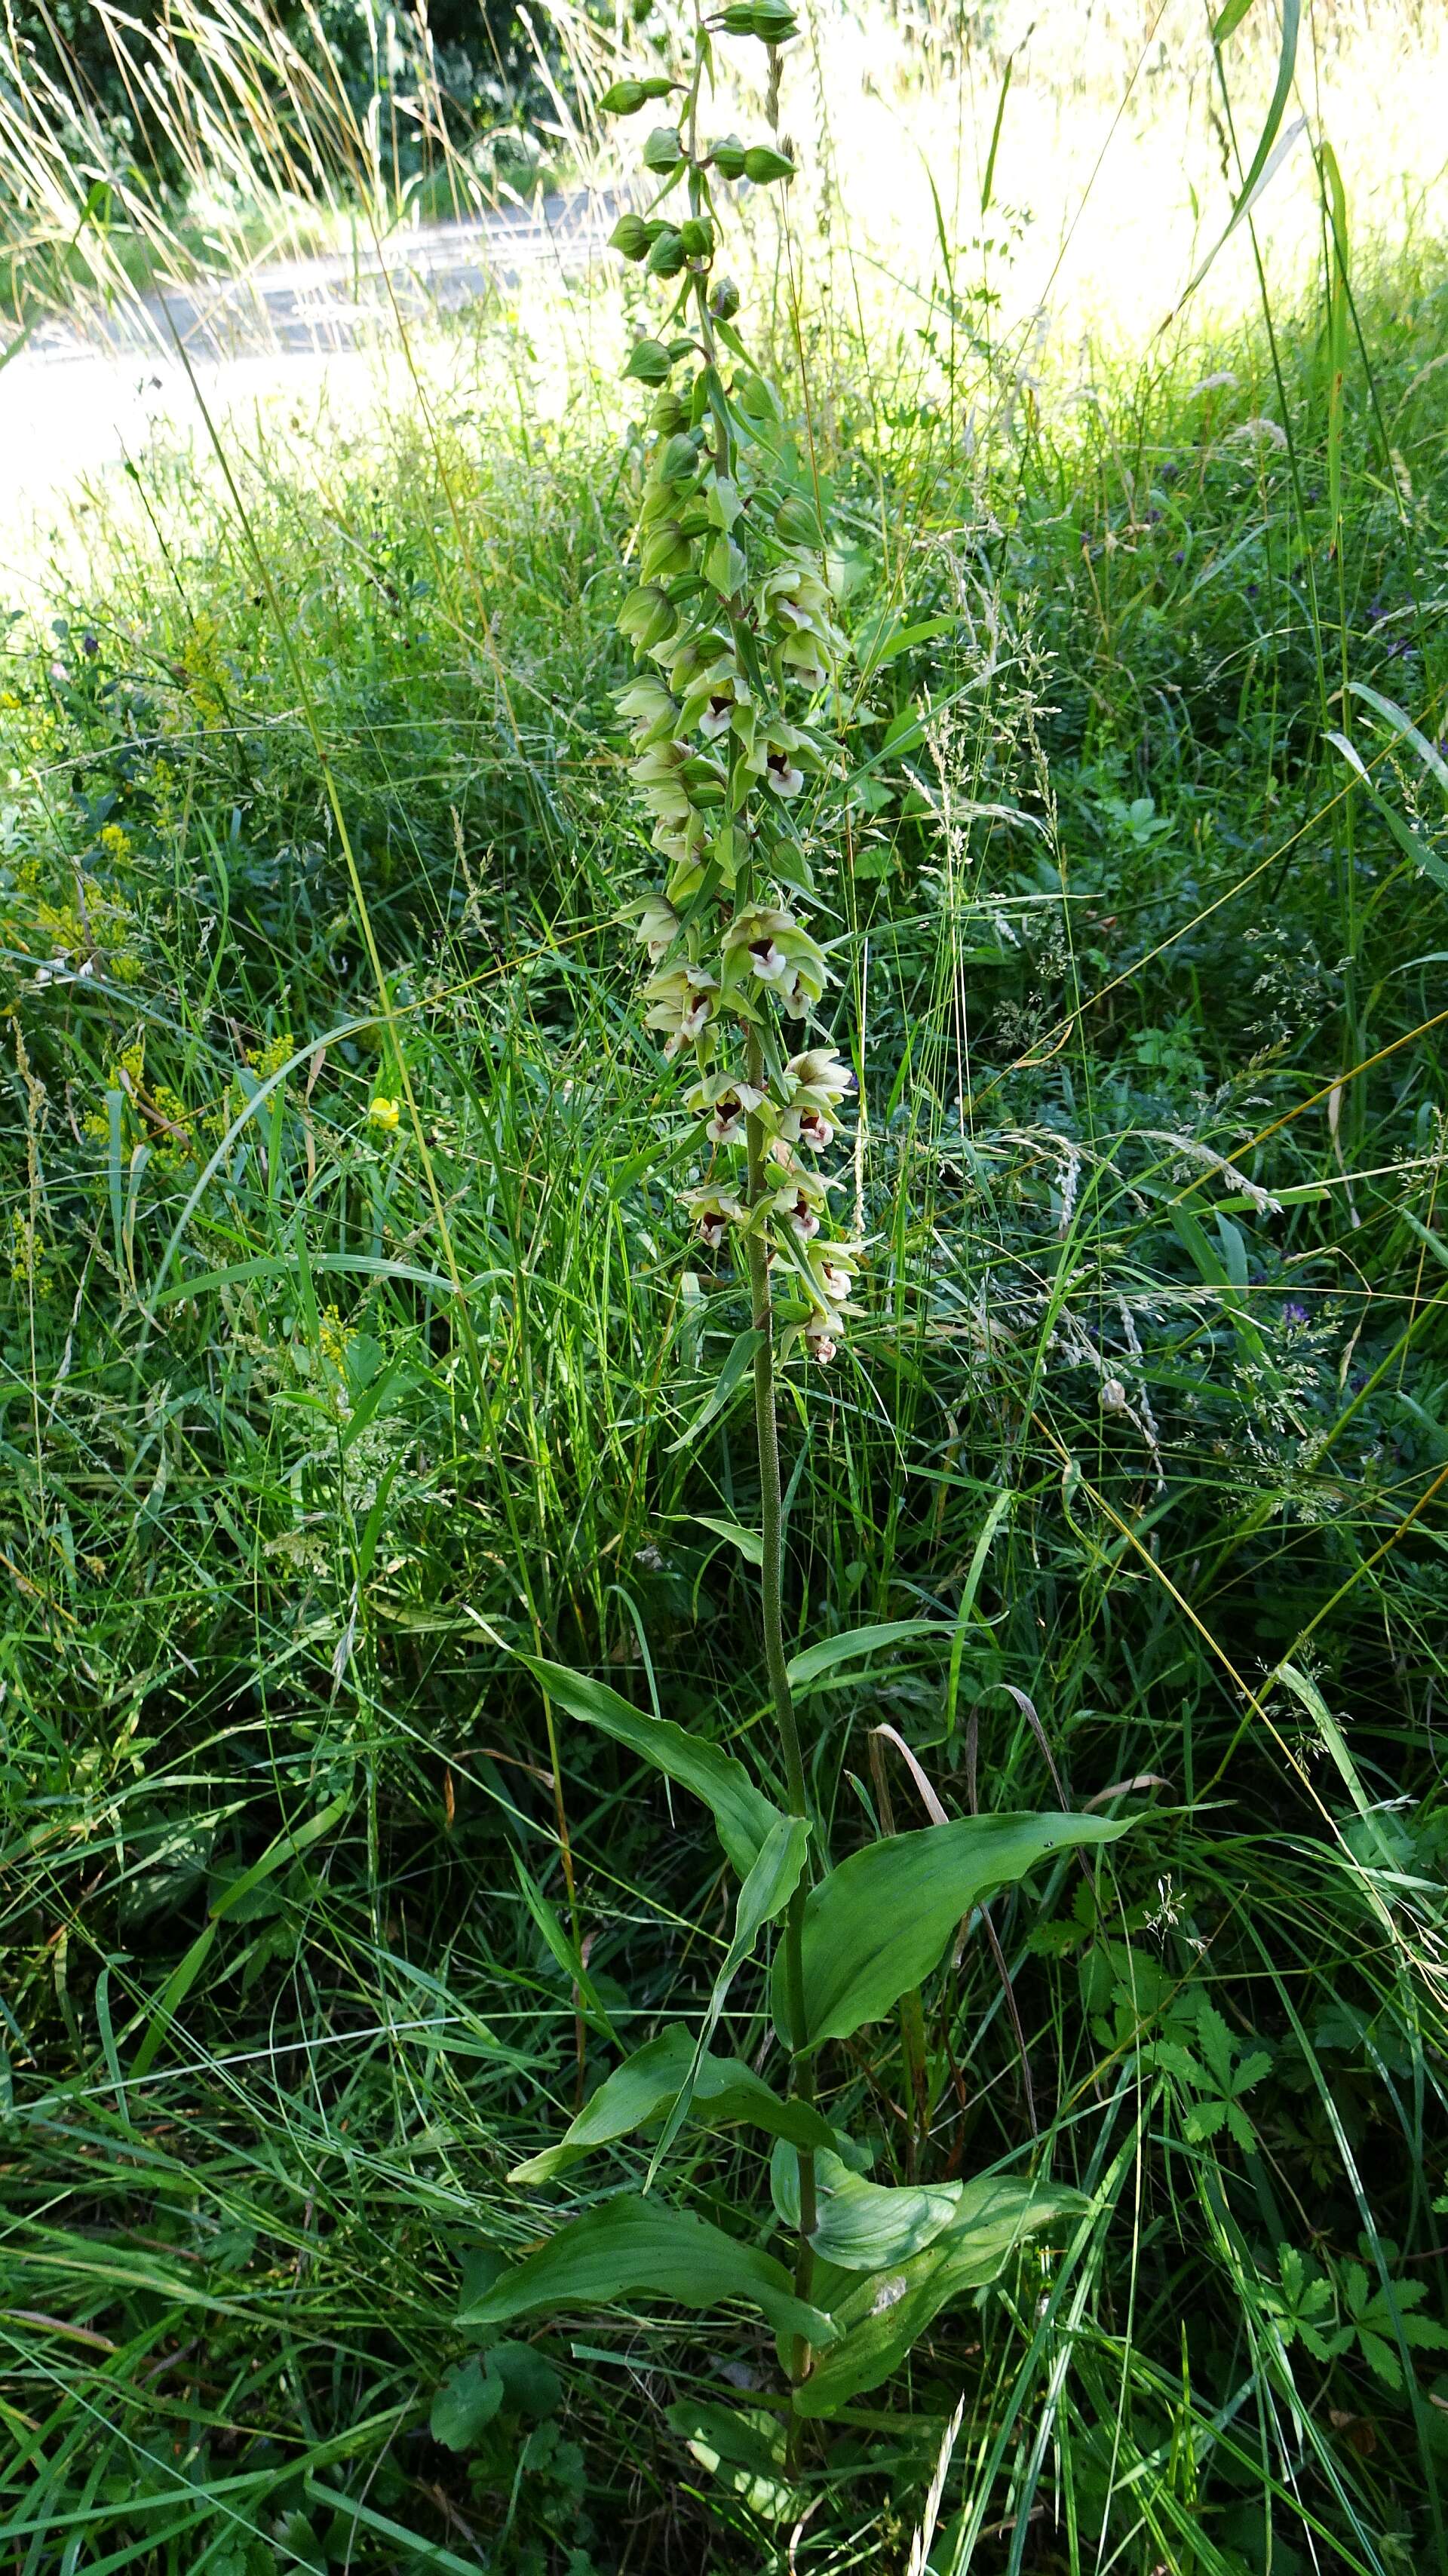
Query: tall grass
point(1152, 1393)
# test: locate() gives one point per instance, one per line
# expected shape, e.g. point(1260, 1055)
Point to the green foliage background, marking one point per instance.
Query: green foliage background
point(291, 1975)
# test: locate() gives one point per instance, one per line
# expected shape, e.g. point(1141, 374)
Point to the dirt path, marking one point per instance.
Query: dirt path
point(73, 401)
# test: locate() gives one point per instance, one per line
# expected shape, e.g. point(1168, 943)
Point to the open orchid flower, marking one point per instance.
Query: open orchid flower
point(724, 1101)
point(830, 1273)
point(681, 1004)
point(818, 1079)
point(718, 700)
point(802, 1203)
point(714, 1212)
point(801, 659)
point(766, 945)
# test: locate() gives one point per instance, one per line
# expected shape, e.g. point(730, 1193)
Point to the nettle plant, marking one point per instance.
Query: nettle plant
point(736, 626)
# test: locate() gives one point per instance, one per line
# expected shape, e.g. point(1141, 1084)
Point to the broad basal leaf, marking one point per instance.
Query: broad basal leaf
point(630, 2247)
point(745, 2450)
point(742, 1813)
point(862, 2224)
point(878, 2322)
point(727, 2094)
point(879, 1923)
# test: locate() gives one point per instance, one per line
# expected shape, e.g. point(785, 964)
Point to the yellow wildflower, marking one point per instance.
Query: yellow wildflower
point(269, 1059)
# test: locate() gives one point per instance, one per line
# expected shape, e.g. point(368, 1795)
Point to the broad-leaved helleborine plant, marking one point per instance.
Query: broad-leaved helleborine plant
point(735, 625)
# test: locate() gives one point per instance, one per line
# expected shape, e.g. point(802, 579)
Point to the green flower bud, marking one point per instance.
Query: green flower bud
point(796, 521)
point(728, 157)
point(667, 551)
point(724, 302)
point(658, 86)
point(649, 362)
point(663, 150)
point(756, 398)
point(770, 20)
point(697, 236)
point(679, 462)
point(646, 617)
point(667, 256)
point(669, 411)
point(625, 98)
point(762, 163)
point(632, 236)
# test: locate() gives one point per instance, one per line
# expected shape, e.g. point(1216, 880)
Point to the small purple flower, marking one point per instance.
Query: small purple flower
point(1295, 1315)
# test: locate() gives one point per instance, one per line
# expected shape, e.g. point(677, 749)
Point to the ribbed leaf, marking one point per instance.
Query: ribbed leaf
point(632, 2246)
point(879, 2321)
point(879, 1923)
point(742, 1813)
point(727, 2095)
point(862, 2224)
point(807, 1670)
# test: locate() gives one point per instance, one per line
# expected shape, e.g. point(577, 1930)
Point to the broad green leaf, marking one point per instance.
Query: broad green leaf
point(465, 2405)
point(878, 1924)
point(809, 1668)
point(863, 2224)
point(879, 2321)
point(1431, 758)
point(279, 1854)
point(748, 1541)
point(286, 1848)
point(632, 2246)
point(746, 2451)
point(742, 1813)
point(727, 2094)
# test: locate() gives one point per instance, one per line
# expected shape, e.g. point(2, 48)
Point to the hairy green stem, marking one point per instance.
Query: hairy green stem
point(766, 1427)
